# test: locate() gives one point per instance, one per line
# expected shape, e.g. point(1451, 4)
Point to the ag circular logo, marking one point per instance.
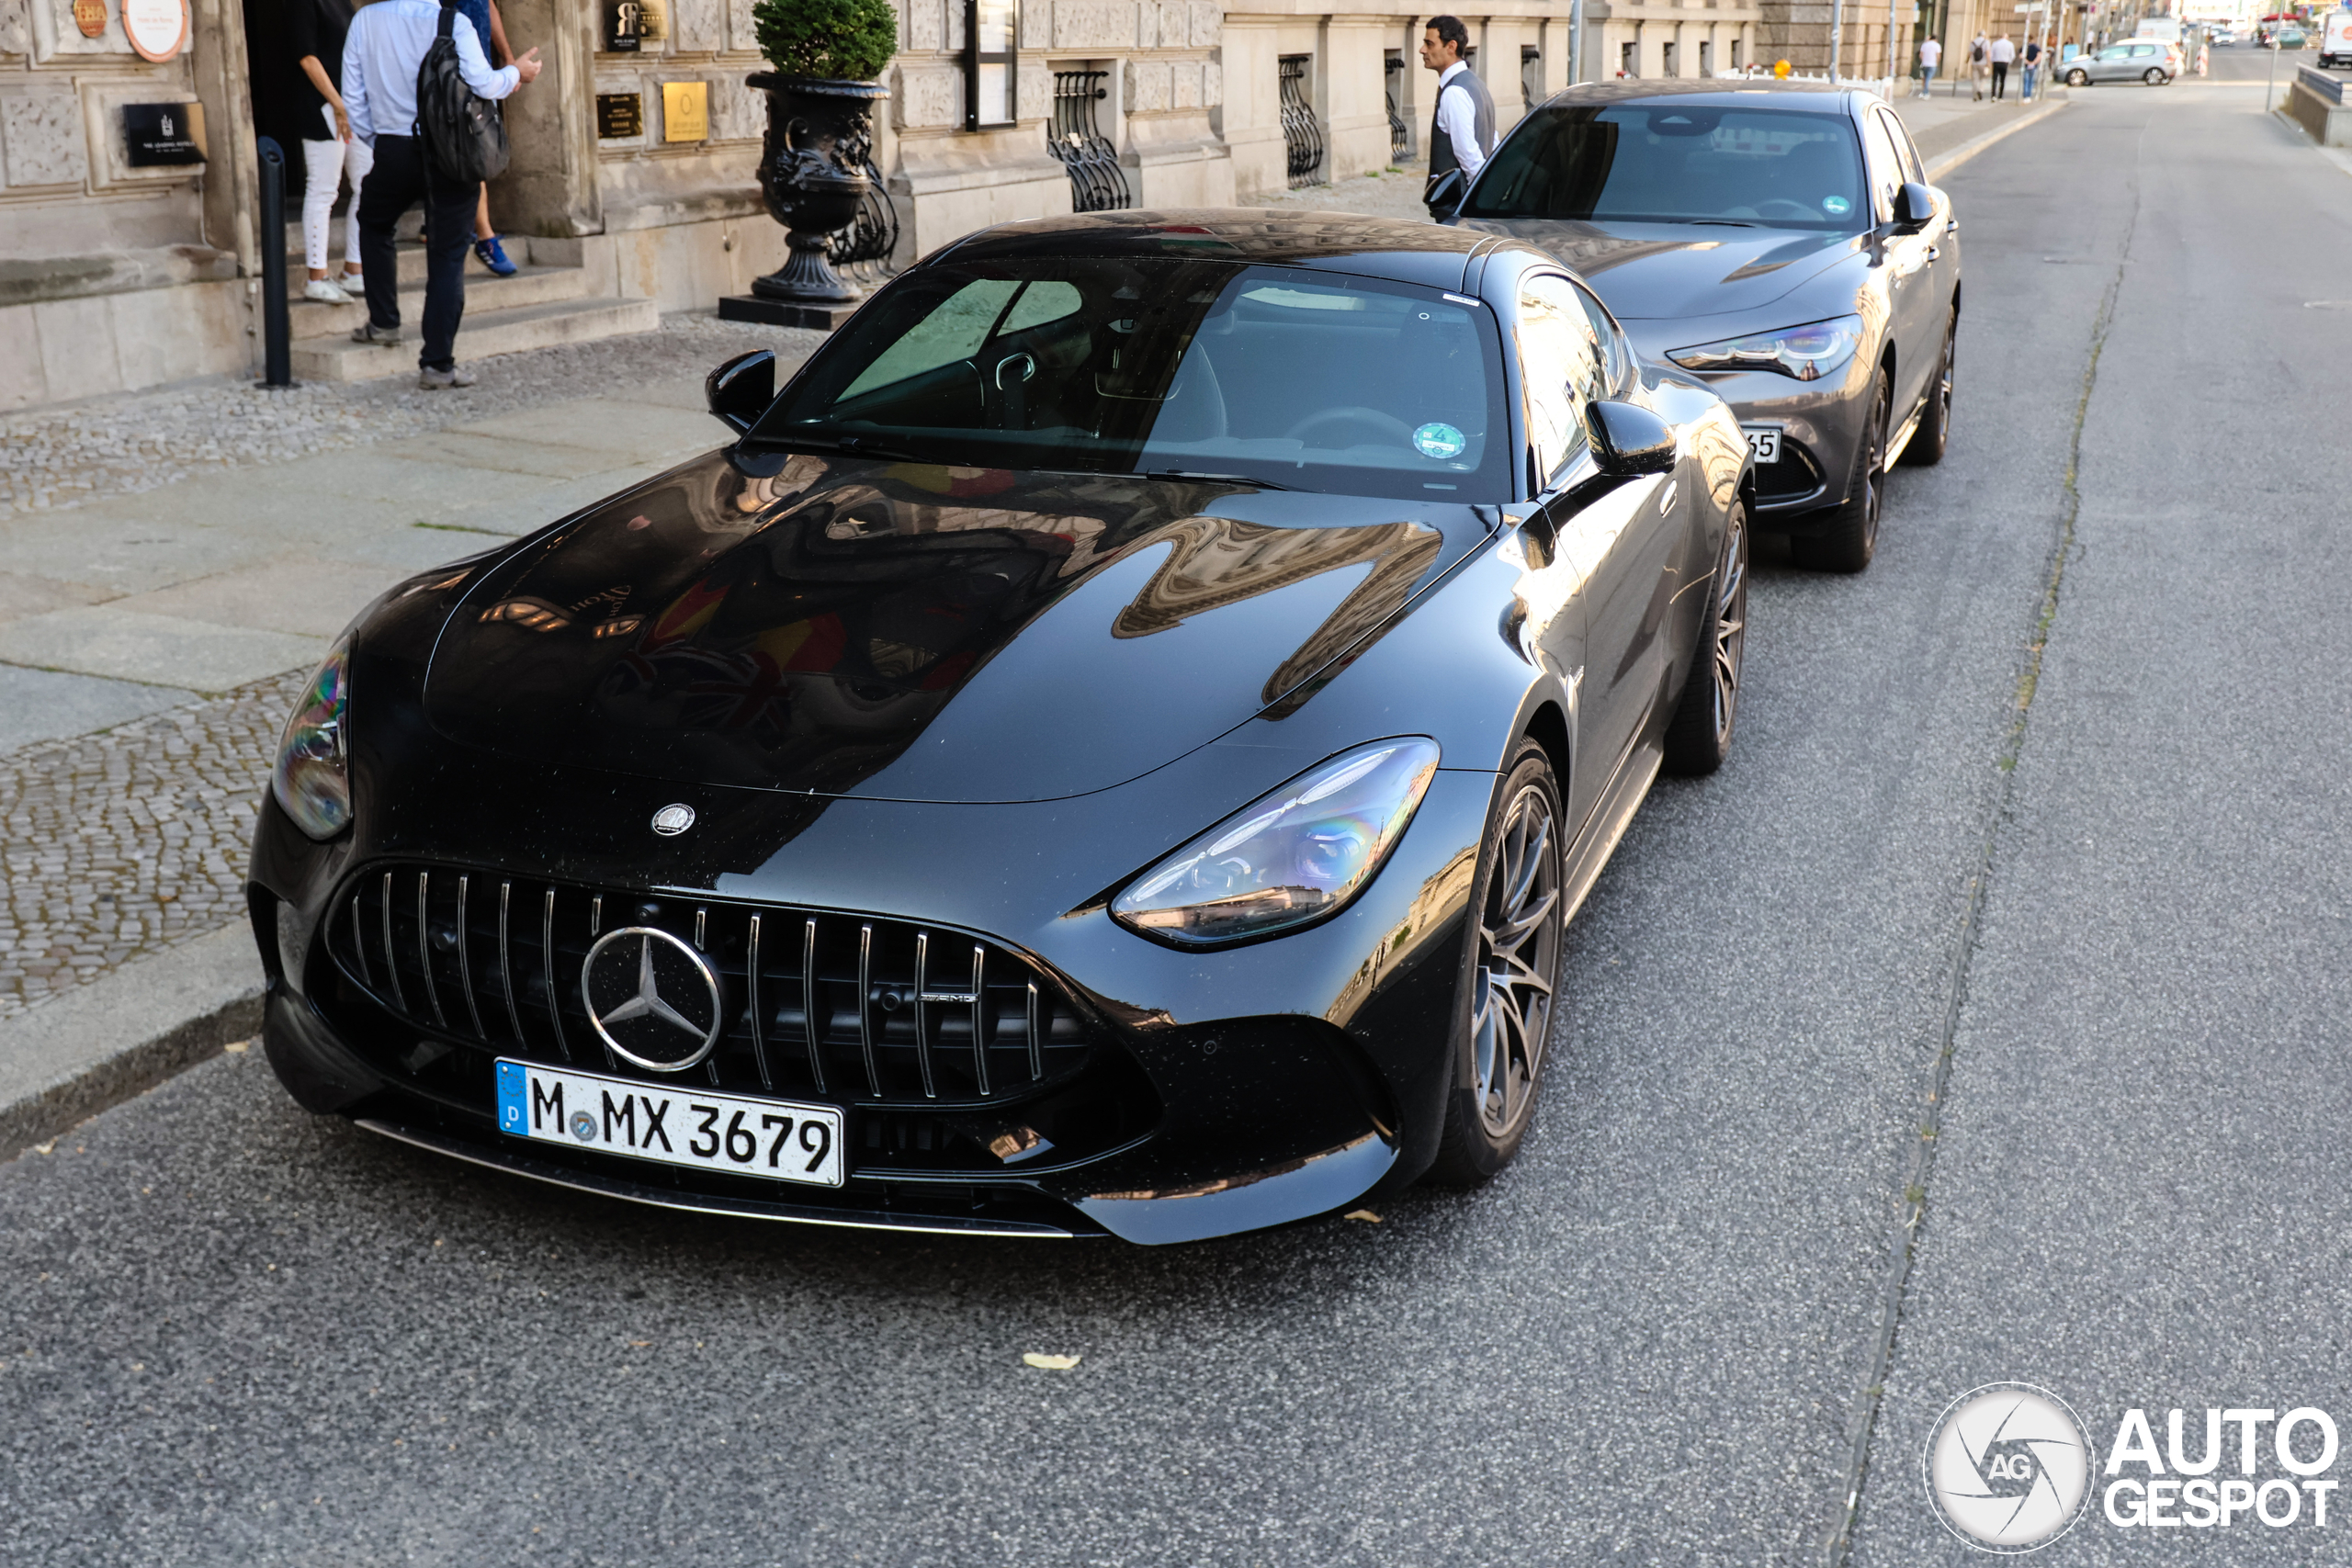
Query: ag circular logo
point(674, 820)
point(2007, 1467)
point(655, 1000)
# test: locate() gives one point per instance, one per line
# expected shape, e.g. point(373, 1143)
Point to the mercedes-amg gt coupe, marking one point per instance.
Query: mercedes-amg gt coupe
point(1110, 746)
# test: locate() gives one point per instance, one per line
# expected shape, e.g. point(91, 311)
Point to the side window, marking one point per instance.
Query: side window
point(1618, 371)
point(1906, 154)
point(1886, 168)
point(1561, 360)
point(954, 329)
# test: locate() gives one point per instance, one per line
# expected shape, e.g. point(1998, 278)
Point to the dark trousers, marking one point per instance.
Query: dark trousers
point(2000, 80)
point(403, 178)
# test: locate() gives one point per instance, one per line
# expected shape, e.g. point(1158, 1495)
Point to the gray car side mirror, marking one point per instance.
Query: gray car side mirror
point(740, 391)
point(1914, 206)
point(1629, 440)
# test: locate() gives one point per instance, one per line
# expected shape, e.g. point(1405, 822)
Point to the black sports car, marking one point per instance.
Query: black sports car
point(1112, 746)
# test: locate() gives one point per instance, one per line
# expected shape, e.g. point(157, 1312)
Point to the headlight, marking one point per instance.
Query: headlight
point(1288, 858)
point(1807, 352)
point(312, 779)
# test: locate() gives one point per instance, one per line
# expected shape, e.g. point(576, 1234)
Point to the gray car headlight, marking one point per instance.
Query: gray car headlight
point(312, 778)
point(1807, 352)
point(1288, 858)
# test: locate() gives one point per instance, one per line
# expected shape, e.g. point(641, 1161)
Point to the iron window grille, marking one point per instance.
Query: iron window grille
point(1400, 131)
point(1530, 74)
point(1097, 184)
point(991, 49)
point(1302, 137)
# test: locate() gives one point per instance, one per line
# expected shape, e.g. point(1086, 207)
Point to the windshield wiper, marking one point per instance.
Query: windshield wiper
point(847, 446)
point(1213, 479)
point(1722, 222)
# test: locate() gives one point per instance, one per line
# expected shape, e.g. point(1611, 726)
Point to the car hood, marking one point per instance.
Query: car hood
point(1648, 270)
point(913, 632)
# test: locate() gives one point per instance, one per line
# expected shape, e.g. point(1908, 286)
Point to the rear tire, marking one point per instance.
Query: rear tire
point(2153, 77)
point(1927, 444)
point(1850, 537)
point(1502, 1010)
point(1698, 737)
point(2078, 78)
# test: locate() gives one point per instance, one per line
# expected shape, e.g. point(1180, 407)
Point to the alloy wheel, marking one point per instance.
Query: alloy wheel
point(1731, 626)
point(1519, 949)
point(1874, 475)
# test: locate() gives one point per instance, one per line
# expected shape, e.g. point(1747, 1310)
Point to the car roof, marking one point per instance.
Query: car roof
point(1762, 92)
point(1408, 252)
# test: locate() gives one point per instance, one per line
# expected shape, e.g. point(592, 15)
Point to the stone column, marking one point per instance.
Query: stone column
point(550, 188)
point(1251, 120)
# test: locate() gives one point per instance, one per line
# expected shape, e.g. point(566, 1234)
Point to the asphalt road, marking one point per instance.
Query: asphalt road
point(233, 1334)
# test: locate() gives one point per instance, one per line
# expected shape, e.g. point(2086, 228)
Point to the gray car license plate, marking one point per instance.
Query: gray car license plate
point(777, 1139)
point(1764, 440)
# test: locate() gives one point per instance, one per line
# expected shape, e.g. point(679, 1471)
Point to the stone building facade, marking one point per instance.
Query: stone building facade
point(631, 190)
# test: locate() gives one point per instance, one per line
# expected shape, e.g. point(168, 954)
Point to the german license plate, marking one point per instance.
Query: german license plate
point(772, 1138)
point(1764, 440)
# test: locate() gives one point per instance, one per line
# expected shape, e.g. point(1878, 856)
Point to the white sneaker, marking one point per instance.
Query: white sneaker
point(323, 290)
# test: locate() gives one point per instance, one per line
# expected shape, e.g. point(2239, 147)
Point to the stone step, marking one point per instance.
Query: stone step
point(531, 285)
point(334, 357)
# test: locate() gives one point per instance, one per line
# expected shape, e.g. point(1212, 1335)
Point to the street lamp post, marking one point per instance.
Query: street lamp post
point(2271, 85)
point(1836, 32)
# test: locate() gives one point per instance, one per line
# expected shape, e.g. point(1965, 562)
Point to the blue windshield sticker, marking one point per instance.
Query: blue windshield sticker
point(1836, 206)
point(1439, 441)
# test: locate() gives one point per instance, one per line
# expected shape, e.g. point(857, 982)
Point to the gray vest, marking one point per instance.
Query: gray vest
point(1442, 157)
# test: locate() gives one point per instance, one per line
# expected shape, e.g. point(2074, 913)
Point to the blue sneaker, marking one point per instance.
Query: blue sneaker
point(493, 256)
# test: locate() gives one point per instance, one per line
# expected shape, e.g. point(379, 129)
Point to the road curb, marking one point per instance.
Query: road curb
point(66, 1060)
point(1938, 168)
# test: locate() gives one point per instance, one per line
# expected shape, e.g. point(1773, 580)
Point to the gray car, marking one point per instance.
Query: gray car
point(1780, 244)
point(2135, 60)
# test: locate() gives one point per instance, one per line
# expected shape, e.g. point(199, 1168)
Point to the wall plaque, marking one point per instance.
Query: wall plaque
point(156, 29)
point(624, 24)
point(686, 111)
point(157, 134)
point(619, 115)
point(90, 16)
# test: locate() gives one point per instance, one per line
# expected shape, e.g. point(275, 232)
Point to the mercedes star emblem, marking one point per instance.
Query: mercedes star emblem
point(654, 999)
point(672, 820)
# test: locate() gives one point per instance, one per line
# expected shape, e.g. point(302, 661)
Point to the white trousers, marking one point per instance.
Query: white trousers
point(352, 159)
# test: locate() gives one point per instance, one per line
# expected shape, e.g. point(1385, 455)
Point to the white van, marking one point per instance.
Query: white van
point(2335, 39)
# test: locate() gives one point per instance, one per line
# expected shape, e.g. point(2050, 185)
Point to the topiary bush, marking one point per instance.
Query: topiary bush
point(845, 39)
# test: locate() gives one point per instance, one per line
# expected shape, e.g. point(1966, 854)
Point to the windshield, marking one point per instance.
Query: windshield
point(1306, 381)
point(1676, 162)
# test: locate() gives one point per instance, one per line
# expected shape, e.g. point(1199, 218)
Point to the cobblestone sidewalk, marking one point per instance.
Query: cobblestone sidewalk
point(62, 457)
point(114, 845)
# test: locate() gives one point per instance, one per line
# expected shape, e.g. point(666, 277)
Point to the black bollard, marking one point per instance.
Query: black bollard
point(276, 353)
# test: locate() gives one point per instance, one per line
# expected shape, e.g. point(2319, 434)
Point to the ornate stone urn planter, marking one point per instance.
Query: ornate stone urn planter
point(812, 174)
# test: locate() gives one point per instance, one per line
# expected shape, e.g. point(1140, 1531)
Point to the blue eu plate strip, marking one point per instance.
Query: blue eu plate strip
point(514, 1094)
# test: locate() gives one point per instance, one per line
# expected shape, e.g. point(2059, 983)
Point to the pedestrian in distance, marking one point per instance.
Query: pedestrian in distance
point(491, 27)
point(1976, 69)
point(2003, 55)
point(1462, 129)
point(381, 59)
point(1931, 55)
point(2031, 67)
point(331, 155)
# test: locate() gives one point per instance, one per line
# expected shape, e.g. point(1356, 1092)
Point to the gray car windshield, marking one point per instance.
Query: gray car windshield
point(1678, 162)
point(1302, 380)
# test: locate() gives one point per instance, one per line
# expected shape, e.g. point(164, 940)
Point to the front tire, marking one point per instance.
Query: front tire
point(1503, 1006)
point(2154, 77)
point(1850, 537)
point(1927, 446)
point(2078, 79)
point(1698, 737)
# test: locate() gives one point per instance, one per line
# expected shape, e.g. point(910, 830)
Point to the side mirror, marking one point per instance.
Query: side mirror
point(740, 391)
point(1914, 206)
point(1628, 440)
point(1442, 196)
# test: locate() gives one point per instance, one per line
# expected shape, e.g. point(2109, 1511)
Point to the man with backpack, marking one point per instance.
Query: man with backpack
point(417, 137)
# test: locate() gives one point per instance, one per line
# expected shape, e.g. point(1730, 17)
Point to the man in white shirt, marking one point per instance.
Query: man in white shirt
point(1462, 131)
point(2001, 52)
point(1931, 55)
point(380, 59)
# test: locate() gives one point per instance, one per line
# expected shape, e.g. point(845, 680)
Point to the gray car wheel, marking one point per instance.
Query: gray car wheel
point(1926, 448)
point(1849, 538)
point(1698, 737)
point(2153, 77)
point(2078, 78)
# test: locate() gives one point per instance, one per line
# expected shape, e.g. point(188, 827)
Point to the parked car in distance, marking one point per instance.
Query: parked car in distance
point(1779, 243)
point(1112, 746)
point(2335, 39)
point(2136, 60)
point(2292, 38)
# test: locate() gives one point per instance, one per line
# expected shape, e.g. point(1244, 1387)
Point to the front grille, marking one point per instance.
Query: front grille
point(1795, 478)
point(846, 1008)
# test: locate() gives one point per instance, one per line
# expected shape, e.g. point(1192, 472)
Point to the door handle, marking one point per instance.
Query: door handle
point(1934, 252)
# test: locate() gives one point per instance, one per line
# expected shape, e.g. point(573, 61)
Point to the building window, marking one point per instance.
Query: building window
point(1302, 137)
point(1706, 56)
point(1734, 54)
point(991, 43)
point(1530, 74)
point(1666, 59)
point(1097, 184)
point(1629, 60)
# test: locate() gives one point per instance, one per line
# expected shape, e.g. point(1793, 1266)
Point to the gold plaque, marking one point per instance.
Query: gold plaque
point(686, 111)
point(90, 16)
point(619, 117)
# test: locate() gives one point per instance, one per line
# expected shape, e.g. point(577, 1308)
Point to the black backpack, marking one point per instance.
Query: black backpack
point(465, 137)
